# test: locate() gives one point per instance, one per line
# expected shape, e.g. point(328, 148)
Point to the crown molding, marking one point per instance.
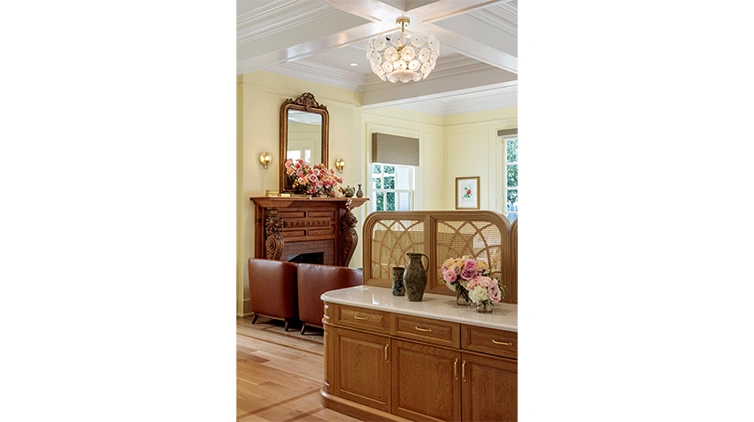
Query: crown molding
point(316, 72)
point(469, 101)
point(251, 27)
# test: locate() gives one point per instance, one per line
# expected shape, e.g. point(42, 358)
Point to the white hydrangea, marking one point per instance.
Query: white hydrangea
point(478, 294)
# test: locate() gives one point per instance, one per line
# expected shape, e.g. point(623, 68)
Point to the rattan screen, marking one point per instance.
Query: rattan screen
point(390, 235)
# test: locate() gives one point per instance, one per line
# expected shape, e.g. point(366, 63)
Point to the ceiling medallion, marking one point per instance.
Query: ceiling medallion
point(403, 57)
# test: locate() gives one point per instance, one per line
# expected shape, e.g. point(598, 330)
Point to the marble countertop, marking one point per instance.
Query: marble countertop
point(442, 307)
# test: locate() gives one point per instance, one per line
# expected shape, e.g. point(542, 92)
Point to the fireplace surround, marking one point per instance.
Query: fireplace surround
point(299, 225)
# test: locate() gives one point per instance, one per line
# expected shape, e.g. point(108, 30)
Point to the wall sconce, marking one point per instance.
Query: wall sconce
point(265, 159)
point(340, 164)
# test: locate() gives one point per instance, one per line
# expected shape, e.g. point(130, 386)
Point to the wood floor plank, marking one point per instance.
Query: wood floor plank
point(279, 374)
point(283, 340)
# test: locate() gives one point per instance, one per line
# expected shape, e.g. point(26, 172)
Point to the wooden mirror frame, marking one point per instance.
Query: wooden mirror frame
point(307, 103)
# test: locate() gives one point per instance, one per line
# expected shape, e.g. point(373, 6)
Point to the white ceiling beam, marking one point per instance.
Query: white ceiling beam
point(373, 10)
point(399, 92)
point(444, 9)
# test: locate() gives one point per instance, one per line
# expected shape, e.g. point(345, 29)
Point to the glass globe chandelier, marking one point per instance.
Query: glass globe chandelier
point(403, 57)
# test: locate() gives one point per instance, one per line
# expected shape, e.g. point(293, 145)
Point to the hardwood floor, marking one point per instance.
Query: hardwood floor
point(279, 373)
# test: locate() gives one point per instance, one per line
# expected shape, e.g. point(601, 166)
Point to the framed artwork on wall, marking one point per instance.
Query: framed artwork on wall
point(467, 193)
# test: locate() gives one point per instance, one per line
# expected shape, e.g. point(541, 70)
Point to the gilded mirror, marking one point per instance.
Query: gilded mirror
point(304, 128)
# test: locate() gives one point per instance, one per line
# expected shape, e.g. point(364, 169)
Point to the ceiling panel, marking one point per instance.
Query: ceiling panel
point(317, 40)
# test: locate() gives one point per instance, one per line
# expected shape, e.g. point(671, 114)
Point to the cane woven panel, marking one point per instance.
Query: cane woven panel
point(394, 238)
point(484, 235)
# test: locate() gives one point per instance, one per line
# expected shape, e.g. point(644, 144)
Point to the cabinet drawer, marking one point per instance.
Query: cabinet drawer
point(488, 340)
point(427, 330)
point(368, 319)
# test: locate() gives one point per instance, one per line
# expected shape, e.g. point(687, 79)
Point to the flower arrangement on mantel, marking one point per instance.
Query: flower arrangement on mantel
point(313, 180)
point(470, 279)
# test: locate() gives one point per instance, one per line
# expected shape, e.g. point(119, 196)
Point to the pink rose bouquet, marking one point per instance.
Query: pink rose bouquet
point(485, 290)
point(458, 273)
point(312, 180)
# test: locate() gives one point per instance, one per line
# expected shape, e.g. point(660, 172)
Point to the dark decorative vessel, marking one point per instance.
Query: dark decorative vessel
point(398, 288)
point(415, 276)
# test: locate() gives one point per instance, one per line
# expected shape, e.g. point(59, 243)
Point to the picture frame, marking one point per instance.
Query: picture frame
point(467, 193)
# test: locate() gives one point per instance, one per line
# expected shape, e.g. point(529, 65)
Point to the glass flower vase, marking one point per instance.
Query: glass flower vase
point(485, 306)
point(462, 297)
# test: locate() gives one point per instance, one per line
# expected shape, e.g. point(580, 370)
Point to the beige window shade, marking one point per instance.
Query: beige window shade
point(391, 149)
point(507, 132)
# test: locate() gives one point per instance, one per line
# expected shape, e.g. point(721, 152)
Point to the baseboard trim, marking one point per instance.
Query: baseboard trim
point(357, 410)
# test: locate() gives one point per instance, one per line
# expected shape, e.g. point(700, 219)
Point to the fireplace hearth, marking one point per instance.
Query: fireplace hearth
point(308, 258)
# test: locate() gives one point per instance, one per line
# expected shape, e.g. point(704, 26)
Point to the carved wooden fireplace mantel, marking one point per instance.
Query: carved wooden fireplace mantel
point(295, 224)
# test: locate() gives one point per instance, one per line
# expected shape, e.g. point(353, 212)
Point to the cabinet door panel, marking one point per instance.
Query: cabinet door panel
point(362, 369)
point(426, 384)
point(490, 389)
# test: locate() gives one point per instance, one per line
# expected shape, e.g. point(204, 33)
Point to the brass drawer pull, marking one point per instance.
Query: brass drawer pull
point(363, 318)
point(386, 357)
point(426, 330)
point(463, 371)
point(503, 343)
point(455, 368)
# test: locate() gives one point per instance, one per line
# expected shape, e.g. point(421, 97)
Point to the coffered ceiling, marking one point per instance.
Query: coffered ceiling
point(319, 40)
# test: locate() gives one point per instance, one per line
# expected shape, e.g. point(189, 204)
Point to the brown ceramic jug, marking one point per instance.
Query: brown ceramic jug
point(415, 276)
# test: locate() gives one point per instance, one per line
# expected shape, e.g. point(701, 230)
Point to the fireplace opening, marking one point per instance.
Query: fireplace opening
point(308, 258)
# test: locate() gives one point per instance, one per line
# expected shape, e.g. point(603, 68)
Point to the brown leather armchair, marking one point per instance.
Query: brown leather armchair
point(315, 279)
point(273, 291)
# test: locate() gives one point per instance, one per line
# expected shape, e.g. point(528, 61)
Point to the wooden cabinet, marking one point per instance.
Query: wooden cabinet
point(490, 391)
point(486, 340)
point(425, 382)
point(361, 368)
point(388, 366)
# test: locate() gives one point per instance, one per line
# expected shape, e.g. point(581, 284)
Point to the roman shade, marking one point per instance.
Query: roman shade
point(391, 149)
point(507, 132)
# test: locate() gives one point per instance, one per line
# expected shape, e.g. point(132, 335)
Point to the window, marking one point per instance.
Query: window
point(392, 187)
point(511, 176)
point(305, 154)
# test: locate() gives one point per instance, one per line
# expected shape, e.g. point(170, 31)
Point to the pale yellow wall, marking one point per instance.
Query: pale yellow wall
point(260, 96)
point(450, 146)
point(474, 149)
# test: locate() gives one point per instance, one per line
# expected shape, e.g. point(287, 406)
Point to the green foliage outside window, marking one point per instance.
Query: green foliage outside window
point(513, 176)
point(390, 201)
point(512, 150)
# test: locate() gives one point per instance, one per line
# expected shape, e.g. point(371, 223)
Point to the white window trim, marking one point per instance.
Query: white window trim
point(411, 192)
point(505, 140)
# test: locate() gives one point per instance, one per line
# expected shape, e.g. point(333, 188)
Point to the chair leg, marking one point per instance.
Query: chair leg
point(255, 318)
point(286, 325)
point(303, 328)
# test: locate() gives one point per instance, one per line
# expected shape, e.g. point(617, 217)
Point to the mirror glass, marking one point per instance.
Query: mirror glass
point(304, 127)
point(304, 136)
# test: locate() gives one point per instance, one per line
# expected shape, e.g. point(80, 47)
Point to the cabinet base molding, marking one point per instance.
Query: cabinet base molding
point(356, 410)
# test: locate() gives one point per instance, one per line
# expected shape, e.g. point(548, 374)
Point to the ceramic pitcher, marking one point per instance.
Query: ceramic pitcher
point(415, 276)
